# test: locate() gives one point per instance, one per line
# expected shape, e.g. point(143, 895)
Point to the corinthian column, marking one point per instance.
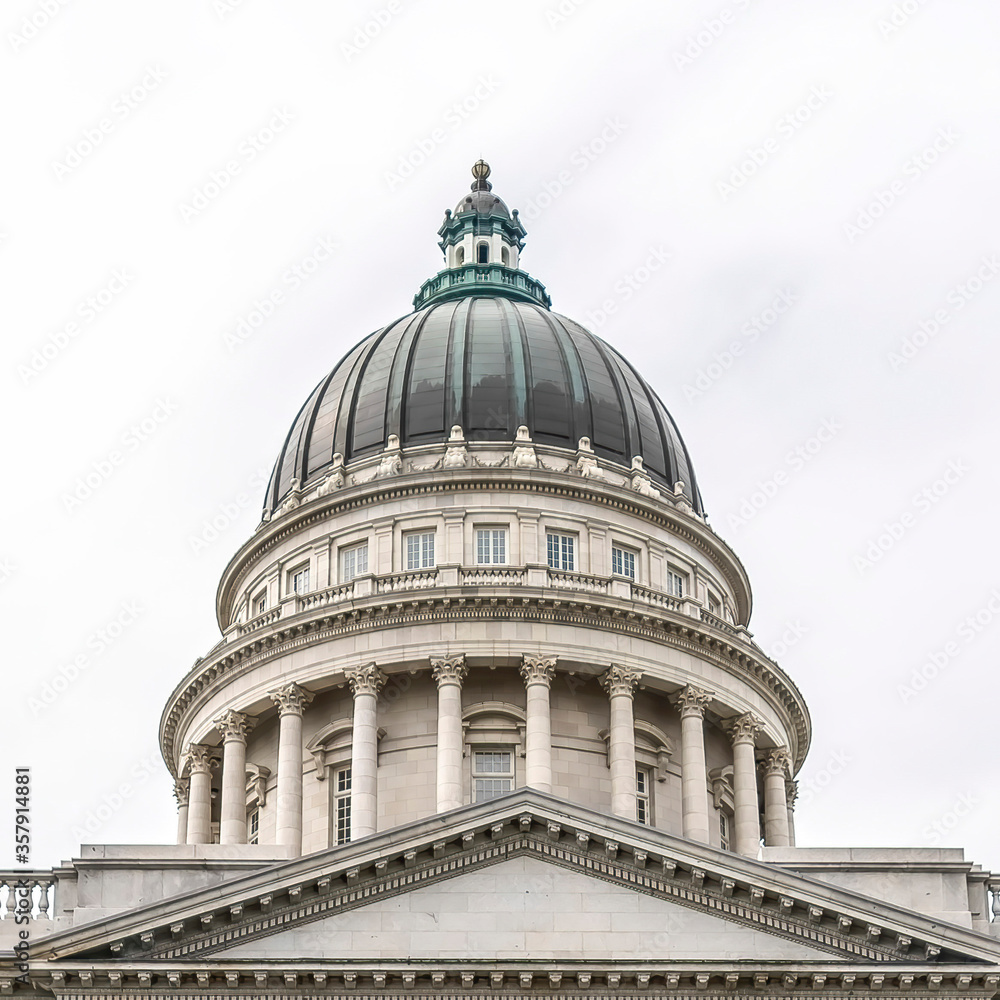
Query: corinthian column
point(291, 701)
point(199, 762)
point(743, 733)
point(775, 806)
point(691, 702)
point(365, 685)
point(620, 684)
point(449, 672)
point(181, 794)
point(791, 794)
point(537, 672)
point(234, 727)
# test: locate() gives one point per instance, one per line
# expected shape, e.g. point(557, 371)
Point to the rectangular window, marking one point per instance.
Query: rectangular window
point(724, 830)
point(676, 583)
point(713, 606)
point(353, 562)
point(342, 806)
point(491, 546)
point(642, 795)
point(419, 549)
point(260, 603)
point(253, 827)
point(561, 551)
point(492, 774)
point(622, 562)
point(300, 580)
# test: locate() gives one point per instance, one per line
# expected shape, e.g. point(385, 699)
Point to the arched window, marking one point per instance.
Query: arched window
point(459, 256)
point(484, 253)
point(505, 257)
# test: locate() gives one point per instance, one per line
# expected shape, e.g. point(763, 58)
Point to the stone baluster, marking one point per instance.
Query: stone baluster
point(234, 727)
point(199, 763)
point(743, 734)
point(366, 682)
point(775, 806)
point(691, 702)
point(449, 672)
point(620, 684)
point(291, 701)
point(537, 672)
point(181, 794)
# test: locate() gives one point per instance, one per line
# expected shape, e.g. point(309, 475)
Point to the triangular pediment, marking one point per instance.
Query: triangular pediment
point(522, 908)
point(702, 902)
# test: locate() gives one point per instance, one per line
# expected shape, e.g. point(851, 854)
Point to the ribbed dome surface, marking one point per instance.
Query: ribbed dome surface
point(489, 364)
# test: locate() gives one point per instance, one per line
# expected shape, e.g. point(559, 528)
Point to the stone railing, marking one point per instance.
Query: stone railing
point(492, 576)
point(261, 621)
point(455, 282)
point(28, 891)
point(716, 622)
point(657, 598)
point(414, 580)
point(578, 581)
point(332, 595)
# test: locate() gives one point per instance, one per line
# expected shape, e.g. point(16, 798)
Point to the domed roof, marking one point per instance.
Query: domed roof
point(481, 199)
point(489, 363)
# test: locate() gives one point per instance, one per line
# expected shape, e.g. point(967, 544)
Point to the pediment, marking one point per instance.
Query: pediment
point(735, 907)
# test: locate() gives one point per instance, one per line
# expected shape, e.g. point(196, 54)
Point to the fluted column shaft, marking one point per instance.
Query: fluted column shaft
point(365, 684)
point(620, 683)
point(199, 818)
point(291, 701)
point(449, 672)
point(691, 703)
point(181, 794)
point(775, 804)
point(746, 820)
point(234, 727)
point(537, 672)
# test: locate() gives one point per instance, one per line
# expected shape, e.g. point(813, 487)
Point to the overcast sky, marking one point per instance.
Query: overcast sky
point(784, 213)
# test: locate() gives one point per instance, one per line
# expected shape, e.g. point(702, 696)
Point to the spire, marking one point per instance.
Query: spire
point(482, 242)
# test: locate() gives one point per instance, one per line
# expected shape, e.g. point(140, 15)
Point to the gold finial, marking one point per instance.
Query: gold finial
point(480, 170)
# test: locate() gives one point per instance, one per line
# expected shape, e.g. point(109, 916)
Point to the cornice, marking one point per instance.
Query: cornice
point(424, 483)
point(418, 607)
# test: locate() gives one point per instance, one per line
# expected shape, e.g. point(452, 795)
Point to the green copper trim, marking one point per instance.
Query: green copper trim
point(481, 279)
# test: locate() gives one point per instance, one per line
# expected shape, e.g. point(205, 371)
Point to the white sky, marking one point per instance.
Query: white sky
point(885, 766)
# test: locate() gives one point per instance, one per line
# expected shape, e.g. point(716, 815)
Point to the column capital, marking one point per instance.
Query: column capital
point(365, 680)
point(182, 788)
point(538, 669)
point(448, 669)
point(198, 758)
point(290, 699)
point(692, 700)
point(620, 680)
point(234, 725)
point(744, 728)
point(777, 761)
point(791, 792)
